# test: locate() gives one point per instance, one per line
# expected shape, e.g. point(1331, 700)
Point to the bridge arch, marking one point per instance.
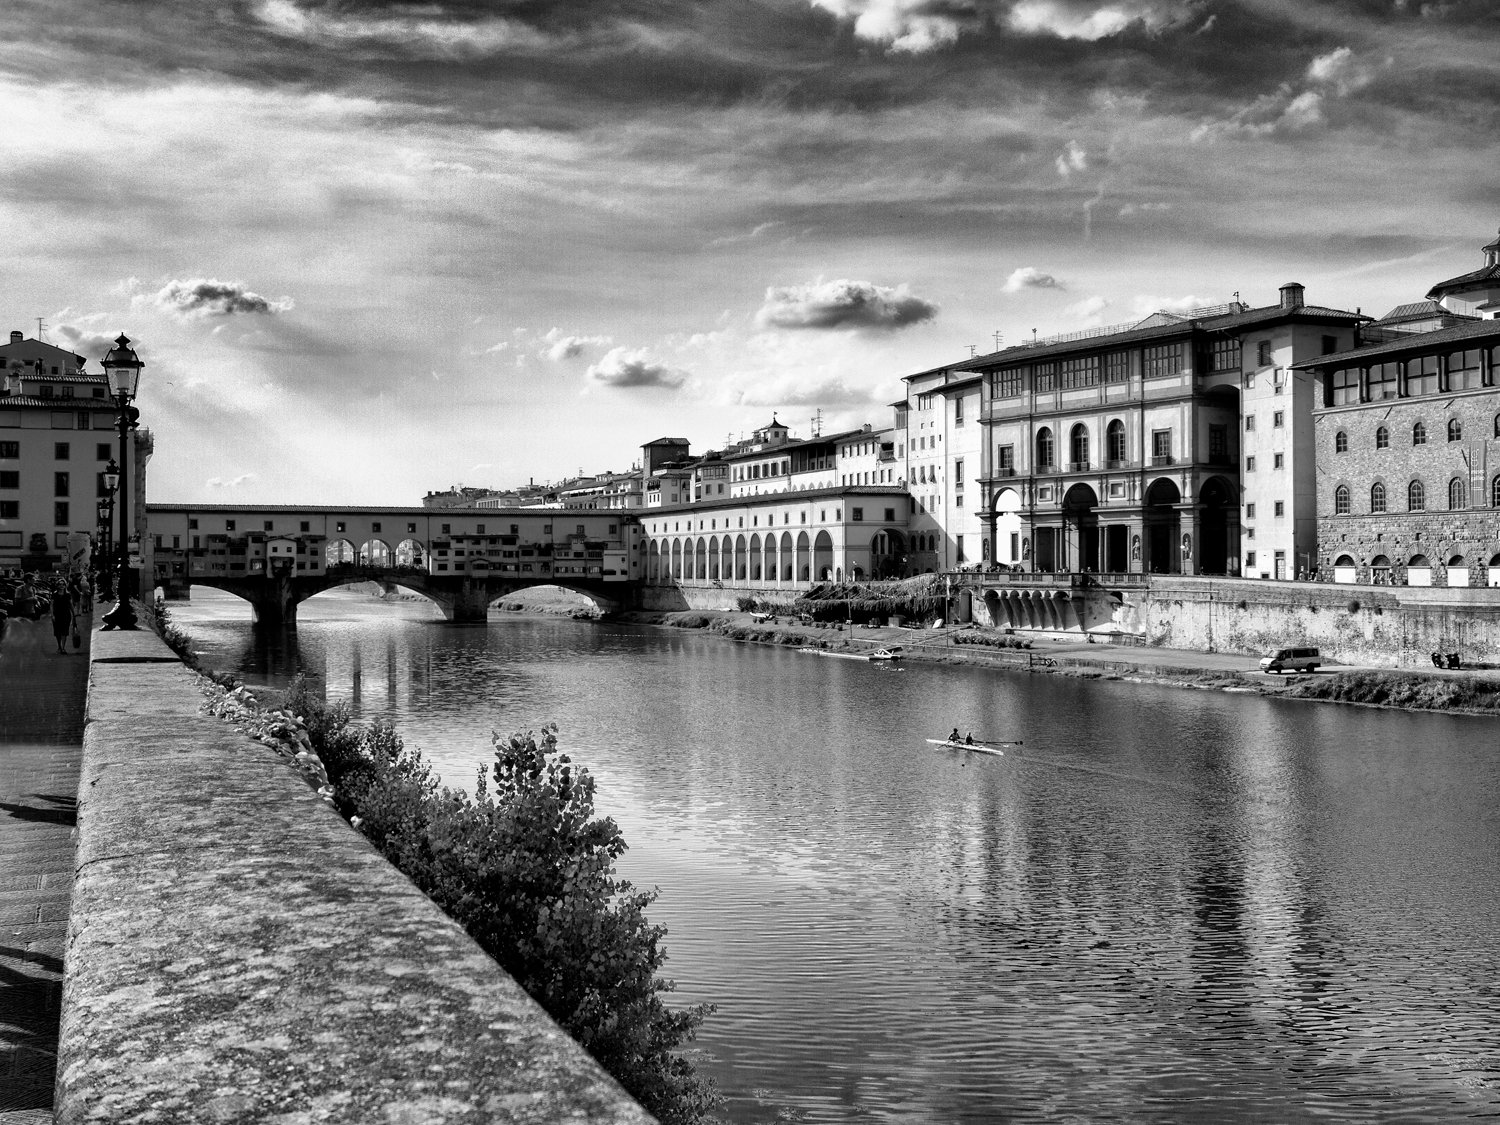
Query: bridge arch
point(375, 552)
point(340, 552)
point(411, 552)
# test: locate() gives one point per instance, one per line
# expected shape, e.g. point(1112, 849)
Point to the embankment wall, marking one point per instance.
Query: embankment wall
point(238, 953)
point(1394, 626)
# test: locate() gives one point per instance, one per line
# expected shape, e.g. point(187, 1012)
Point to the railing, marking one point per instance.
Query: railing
point(1115, 463)
point(1078, 466)
point(1162, 460)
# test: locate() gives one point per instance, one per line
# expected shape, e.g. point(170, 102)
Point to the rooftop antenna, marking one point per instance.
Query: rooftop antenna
point(1033, 335)
point(973, 350)
point(817, 422)
point(40, 328)
point(999, 339)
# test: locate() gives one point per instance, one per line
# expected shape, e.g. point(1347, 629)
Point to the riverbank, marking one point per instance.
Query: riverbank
point(1461, 691)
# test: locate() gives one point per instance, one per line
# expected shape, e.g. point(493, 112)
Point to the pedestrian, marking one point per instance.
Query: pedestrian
point(62, 618)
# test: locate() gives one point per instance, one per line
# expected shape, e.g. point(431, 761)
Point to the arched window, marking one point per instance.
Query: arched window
point(1416, 497)
point(1382, 438)
point(1495, 493)
point(1341, 442)
point(1455, 430)
point(1377, 498)
point(1116, 439)
point(1046, 451)
point(1497, 425)
point(1078, 445)
point(1419, 434)
point(1456, 501)
point(1341, 500)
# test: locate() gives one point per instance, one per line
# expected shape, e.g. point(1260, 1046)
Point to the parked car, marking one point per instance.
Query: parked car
point(1291, 660)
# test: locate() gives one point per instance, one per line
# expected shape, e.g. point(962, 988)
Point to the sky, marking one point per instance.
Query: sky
point(368, 250)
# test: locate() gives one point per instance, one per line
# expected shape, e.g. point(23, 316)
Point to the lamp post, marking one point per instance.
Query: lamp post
point(103, 556)
point(122, 368)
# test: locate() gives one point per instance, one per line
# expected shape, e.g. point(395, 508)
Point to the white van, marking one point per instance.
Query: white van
point(1291, 660)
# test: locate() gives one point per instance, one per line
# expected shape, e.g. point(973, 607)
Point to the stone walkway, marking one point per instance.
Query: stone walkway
point(41, 739)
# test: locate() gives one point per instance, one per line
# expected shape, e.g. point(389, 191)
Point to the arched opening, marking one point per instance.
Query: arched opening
point(1218, 527)
point(1080, 538)
point(788, 559)
point(713, 559)
point(756, 562)
point(804, 558)
point(1078, 448)
point(1162, 524)
point(653, 562)
point(726, 560)
point(1492, 572)
point(375, 552)
point(887, 555)
point(339, 552)
point(823, 557)
point(1458, 571)
point(410, 553)
point(773, 559)
point(676, 558)
point(1115, 441)
point(700, 559)
point(1007, 527)
point(1418, 571)
point(1046, 450)
point(1380, 571)
point(1345, 570)
point(740, 561)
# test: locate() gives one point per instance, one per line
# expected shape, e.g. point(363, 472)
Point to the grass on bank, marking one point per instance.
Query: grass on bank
point(1402, 689)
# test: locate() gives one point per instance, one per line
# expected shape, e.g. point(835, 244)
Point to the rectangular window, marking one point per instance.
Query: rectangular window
point(1117, 367)
point(1249, 532)
point(1278, 419)
point(1250, 463)
point(890, 515)
point(10, 509)
point(958, 471)
point(269, 525)
point(1044, 377)
point(1006, 455)
point(1163, 360)
point(958, 500)
point(101, 451)
point(1226, 355)
point(958, 411)
point(10, 479)
point(1330, 344)
point(1006, 383)
point(1263, 353)
point(958, 548)
point(1383, 381)
point(1249, 560)
point(1422, 375)
point(10, 450)
point(1280, 509)
point(1465, 370)
point(229, 525)
point(1161, 447)
point(1249, 511)
point(61, 450)
point(1344, 386)
point(1278, 461)
point(59, 484)
point(1249, 423)
point(1218, 443)
point(60, 513)
point(857, 515)
point(1081, 371)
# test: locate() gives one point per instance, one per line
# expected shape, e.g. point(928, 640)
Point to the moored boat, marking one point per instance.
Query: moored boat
point(893, 652)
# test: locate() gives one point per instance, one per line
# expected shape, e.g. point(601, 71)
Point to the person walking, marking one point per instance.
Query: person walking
point(63, 617)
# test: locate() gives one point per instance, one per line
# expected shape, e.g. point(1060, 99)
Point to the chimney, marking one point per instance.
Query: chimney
point(1291, 295)
point(15, 337)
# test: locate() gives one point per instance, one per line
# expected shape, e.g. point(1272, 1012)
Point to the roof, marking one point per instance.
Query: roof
point(1415, 342)
point(57, 403)
point(1417, 310)
point(1271, 313)
point(1474, 280)
point(767, 498)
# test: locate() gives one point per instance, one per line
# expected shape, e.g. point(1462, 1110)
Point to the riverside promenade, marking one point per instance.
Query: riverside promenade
point(42, 699)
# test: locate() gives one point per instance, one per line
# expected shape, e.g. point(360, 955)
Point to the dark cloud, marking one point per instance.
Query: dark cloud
point(93, 346)
point(622, 367)
point(206, 297)
point(843, 304)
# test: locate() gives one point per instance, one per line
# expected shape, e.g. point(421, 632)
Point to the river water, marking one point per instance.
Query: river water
point(1166, 906)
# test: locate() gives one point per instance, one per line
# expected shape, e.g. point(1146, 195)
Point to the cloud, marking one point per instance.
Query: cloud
point(1143, 209)
point(1029, 277)
point(207, 297)
point(560, 347)
point(622, 367)
point(788, 391)
point(917, 26)
point(1293, 108)
point(1088, 311)
point(843, 304)
point(1072, 159)
point(232, 482)
point(418, 30)
point(89, 344)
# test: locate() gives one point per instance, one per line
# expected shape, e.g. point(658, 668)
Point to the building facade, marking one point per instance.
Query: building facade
point(58, 433)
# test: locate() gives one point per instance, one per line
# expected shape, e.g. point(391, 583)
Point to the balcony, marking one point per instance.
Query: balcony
point(1004, 471)
point(1118, 463)
point(1162, 460)
point(1078, 466)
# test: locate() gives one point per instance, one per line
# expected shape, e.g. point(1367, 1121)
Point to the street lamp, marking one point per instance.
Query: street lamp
point(122, 369)
point(104, 557)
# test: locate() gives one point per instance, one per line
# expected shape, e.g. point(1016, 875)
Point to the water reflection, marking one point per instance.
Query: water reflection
point(1165, 906)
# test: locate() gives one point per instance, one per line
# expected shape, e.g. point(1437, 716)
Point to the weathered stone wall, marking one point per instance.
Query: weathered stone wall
point(238, 953)
point(1394, 626)
point(707, 596)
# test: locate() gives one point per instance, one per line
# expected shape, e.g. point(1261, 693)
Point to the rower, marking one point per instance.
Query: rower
point(954, 736)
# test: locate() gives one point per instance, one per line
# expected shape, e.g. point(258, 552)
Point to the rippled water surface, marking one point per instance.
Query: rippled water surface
point(1166, 906)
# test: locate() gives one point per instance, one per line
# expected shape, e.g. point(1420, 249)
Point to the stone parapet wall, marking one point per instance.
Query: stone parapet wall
point(1379, 625)
point(238, 953)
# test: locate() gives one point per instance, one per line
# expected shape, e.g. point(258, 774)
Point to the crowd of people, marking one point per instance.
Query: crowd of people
point(65, 598)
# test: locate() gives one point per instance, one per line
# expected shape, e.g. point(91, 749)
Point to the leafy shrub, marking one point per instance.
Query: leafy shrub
point(989, 640)
point(1403, 689)
point(527, 869)
point(689, 620)
point(159, 620)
